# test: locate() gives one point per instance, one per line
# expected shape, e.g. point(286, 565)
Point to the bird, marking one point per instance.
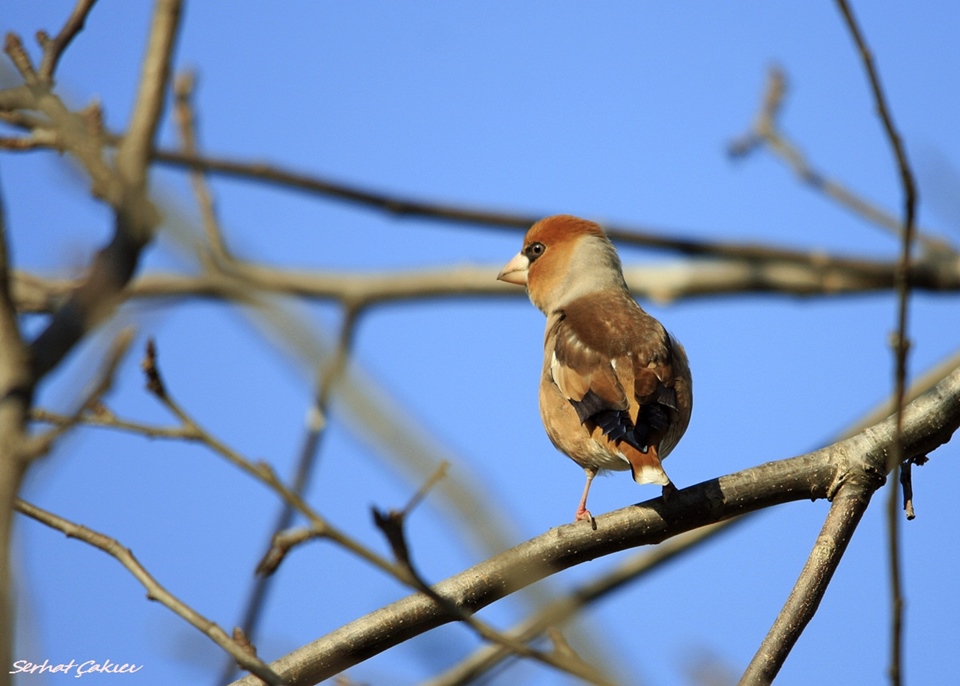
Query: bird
point(615, 388)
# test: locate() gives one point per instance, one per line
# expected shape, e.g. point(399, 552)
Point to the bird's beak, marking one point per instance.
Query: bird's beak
point(515, 271)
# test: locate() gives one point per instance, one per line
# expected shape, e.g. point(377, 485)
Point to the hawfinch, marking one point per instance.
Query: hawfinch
point(615, 391)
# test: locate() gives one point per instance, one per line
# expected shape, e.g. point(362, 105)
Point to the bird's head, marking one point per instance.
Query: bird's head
point(563, 258)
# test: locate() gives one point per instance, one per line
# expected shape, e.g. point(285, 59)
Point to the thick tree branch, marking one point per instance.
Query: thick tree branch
point(929, 422)
point(487, 657)
point(392, 525)
point(559, 611)
point(14, 409)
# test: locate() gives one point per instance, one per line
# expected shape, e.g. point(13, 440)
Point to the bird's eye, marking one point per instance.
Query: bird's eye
point(534, 250)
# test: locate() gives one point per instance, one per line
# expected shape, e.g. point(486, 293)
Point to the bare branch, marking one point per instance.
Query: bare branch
point(901, 342)
point(662, 283)
point(847, 509)
point(261, 471)
point(13, 46)
point(53, 48)
point(155, 591)
point(133, 154)
point(15, 399)
point(16, 98)
point(281, 542)
point(42, 444)
point(392, 525)
point(415, 208)
point(183, 89)
point(103, 418)
point(488, 656)
point(766, 131)
point(409, 207)
point(115, 265)
point(562, 609)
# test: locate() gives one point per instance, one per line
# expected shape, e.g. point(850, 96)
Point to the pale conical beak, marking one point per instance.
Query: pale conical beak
point(515, 271)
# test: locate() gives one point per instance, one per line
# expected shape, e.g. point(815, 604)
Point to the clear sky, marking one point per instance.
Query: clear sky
point(615, 111)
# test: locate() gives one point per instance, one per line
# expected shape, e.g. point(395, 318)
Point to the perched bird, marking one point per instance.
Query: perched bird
point(615, 391)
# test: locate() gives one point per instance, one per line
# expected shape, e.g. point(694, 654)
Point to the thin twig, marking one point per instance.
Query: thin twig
point(66, 130)
point(402, 206)
point(392, 525)
point(901, 342)
point(183, 90)
point(155, 591)
point(35, 141)
point(766, 130)
point(53, 48)
point(261, 471)
point(329, 379)
point(102, 417)
point(41, 444)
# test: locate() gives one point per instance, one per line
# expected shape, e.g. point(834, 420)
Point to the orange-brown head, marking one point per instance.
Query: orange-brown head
point(564, 257)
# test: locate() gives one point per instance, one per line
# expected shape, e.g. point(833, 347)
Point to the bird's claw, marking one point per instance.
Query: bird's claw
point(583, 515)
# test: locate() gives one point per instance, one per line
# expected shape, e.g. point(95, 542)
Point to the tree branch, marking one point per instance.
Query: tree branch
point(53, 48)
point(133, 153)
point(183, 90)
point(403, 206)
point(135, 216)
point(392, 526)
point(14, 408)
point(261, 471)
point(901, 343)
point(559, 611)
point(848, 506)
point(328, 379)
point(766, 130)
point(155, 591)
point(929, 422)
point(661, 283)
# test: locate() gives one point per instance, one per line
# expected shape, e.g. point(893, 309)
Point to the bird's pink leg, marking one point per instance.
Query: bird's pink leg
point(582, 511)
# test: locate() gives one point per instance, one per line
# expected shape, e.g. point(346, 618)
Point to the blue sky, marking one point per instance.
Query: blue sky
point(616, 111)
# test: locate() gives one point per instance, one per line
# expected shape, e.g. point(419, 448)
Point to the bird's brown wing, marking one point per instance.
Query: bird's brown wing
point(605, 346)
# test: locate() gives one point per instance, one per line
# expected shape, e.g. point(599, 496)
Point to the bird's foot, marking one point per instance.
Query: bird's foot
point(668, 491)
point(583, 514)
